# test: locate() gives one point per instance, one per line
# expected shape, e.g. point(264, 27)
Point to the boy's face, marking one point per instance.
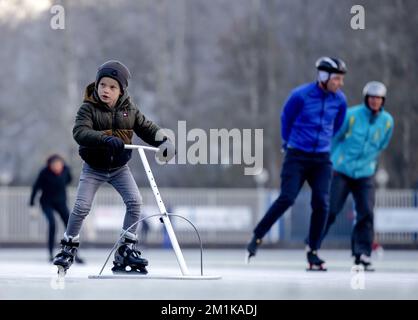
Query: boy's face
point(109, 91)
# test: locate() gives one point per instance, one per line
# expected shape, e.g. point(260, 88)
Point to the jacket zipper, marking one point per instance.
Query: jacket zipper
point(364, 143)
point(320, 124)
point(113, 128)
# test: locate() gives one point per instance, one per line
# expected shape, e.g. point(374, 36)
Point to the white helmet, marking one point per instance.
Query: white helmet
point(375, 89)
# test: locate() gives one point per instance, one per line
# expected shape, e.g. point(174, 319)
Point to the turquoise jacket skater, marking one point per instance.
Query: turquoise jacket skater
point(360, 140)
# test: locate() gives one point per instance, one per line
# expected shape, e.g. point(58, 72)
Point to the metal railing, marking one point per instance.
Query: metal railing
point(17, 226)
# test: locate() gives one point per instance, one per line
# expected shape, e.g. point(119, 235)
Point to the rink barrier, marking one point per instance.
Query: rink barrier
point(17, 227)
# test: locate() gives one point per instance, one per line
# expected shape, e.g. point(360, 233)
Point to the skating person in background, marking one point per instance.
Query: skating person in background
point(52, 182)
point(311, 116)
point(366, 132)
point(104, 123)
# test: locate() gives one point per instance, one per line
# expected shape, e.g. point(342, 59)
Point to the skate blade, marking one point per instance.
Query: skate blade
point(132, 272)
point(365, 269)
point(368, 269)
point(61, 272)
point(155, 276)
point(248, 257)
point(129, 274)
point(316, 269)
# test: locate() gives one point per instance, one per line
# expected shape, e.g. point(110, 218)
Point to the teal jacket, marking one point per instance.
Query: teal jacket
point(357, 145)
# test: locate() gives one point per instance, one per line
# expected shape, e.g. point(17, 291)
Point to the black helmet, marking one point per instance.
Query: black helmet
point(331, 65)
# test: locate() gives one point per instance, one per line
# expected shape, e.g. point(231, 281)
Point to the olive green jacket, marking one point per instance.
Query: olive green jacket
point(95, 120)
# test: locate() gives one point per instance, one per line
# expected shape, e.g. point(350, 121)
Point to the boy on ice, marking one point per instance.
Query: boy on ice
point(104, 123)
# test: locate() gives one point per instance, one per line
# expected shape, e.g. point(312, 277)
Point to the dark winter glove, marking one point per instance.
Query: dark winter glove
point(166, 151)
point(115, 144)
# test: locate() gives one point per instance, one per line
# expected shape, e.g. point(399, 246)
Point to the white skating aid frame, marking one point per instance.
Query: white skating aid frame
point(167, 224)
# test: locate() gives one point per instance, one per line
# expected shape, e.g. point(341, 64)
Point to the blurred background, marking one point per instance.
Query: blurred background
point(215, 64)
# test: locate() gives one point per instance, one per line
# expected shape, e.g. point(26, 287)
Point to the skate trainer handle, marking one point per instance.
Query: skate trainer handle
point(133, 146)
point(165, 219)
point(161, 206)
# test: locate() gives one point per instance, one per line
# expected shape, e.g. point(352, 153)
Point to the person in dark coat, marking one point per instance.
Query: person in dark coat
point(52, 181)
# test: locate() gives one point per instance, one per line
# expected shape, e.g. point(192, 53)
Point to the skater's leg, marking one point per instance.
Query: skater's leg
point(65, 258)
point(319, 179)
point(90, 181)
point(128, 257)
point(64, 213)
point(364, 198)
point(49, 214)
point(315, 263)
point(123, 181)
point(338, 195)
point(292, 179)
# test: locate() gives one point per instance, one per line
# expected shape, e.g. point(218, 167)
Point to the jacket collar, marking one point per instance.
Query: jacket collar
point(370, 113)
point(317, 91)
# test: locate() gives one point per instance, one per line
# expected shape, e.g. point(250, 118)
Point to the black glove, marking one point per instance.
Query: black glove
point(166, 151)
point(31, 203)
point(115, 144)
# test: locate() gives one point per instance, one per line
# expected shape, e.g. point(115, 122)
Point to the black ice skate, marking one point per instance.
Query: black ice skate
point(364, 261)
point(65, 258)
point(315, 263)
point(252, 249)
point(128, 258)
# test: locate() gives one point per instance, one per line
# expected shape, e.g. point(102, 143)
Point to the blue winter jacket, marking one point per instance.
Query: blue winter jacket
point(358, 144)
point(311, 117)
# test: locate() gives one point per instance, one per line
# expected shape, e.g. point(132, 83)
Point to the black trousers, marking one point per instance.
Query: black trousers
point(48, 209)
point(298, 167)
point(363, 191)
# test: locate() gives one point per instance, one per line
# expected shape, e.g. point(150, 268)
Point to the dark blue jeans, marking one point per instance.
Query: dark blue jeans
point(298, 167)
point(363, 191)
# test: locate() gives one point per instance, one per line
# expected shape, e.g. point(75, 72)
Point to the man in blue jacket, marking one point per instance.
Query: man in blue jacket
point(366, 131)
point(311, 116)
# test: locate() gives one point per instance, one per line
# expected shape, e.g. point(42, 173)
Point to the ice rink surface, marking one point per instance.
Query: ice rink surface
point(274, 274)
